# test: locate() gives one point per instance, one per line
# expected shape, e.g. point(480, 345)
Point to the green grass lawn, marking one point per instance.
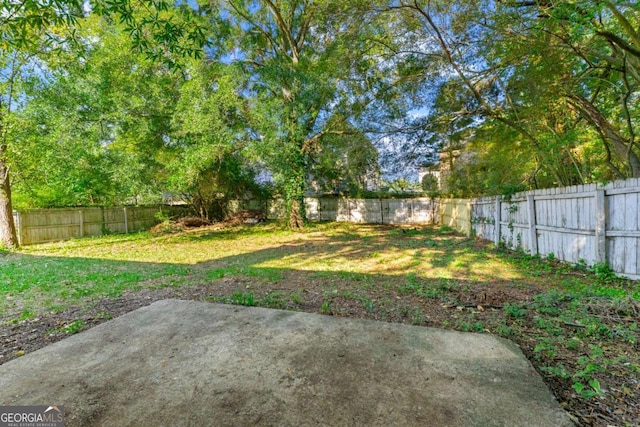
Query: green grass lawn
point(54, 276)
point(578, 326)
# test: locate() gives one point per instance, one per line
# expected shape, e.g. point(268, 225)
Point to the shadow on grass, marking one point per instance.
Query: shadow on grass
point(31, 283)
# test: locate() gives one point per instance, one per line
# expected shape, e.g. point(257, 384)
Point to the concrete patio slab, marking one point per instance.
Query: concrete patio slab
point(186, 363)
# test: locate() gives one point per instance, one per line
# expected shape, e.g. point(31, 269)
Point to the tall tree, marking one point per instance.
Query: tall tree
point(297, 56)
point(557, 73)
point(30, 28)
point(210, 162)
point(10, 69)
point(24, 28)
point(94, 127)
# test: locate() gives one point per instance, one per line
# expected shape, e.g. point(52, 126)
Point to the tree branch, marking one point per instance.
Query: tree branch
point(619, 42)
point(286, 30)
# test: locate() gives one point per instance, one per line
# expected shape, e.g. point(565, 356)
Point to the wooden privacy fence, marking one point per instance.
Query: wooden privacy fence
point(46, 225)
point(373, 211)
point(584, 223)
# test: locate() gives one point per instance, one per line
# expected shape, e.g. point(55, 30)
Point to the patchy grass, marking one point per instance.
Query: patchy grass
point(578, 326)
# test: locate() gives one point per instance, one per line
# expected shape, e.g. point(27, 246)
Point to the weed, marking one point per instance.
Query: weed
point(573, 344)
point(588, 392)
point(103, 315)
point(581, 265)
point(549, 325)
point(469, 326)
point(74, 327)
point(325, 308)
point(603, 272)
point(26, 314)
point(242, 298)
point(162, 216)
point(217, 273)
point(368, 304)
point(272, 300)
point(417, 318)
point(514, 311)
point(430, 244)
point(411, 283)
point(296, 298)
point(556, 371)
point(445, 229)
point(505, 331)
point(546, 348)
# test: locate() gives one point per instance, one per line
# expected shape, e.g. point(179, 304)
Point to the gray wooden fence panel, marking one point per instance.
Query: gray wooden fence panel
point(370, 211)
point(483, 214)
point(114, 220)
point(399, 211)
point(92, 222)
point(328, 209)
point(312, 208)
point(423, 211)
point(565, 226)
point(373, 211)
point(47, 225)
point(355, 210)
point(342, 210)
point(583, 223)
point(515, 223)
point(623, 226)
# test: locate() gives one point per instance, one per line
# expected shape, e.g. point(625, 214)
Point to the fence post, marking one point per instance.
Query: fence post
point(126, 223)
point(469, 217)
point(81, 223)
point(433, 210)
point(497, 219)
point(411, 210)
point(601, 225)
point(17, 218)
point(533, 233)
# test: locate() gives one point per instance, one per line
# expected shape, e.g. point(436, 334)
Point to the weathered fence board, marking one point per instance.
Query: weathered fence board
point(457, 214)
point(47, 225)
point(583, 223)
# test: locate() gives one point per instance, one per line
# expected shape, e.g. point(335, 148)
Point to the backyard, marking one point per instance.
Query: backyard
point(577, 325)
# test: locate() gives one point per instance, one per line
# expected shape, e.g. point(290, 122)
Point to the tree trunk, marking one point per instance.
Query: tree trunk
point(8, 237)
point(296, 216)
point(294, 198)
